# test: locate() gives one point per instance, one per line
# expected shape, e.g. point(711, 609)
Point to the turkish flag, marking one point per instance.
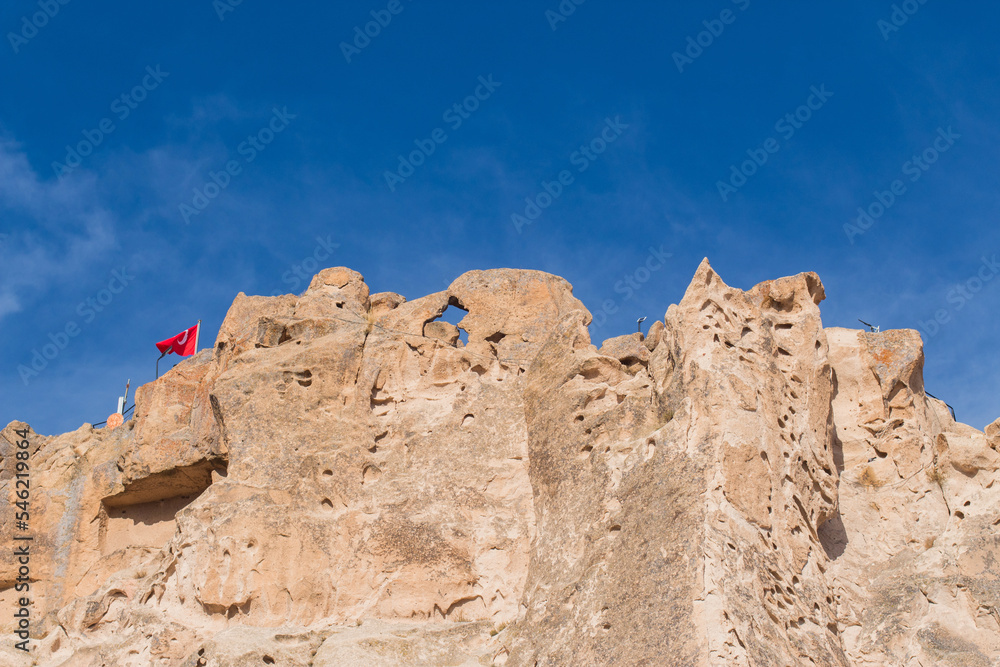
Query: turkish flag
point(182, 344)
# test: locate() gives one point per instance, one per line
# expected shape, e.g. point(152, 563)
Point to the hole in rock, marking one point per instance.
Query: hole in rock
point(268, 660)
point(144, 514)
point(327, 504)
point(497, 337)
point(370, 474)
point(783, 327)
point(379, 397)
point(328, 473)
point(454, 313)
point(468, 420)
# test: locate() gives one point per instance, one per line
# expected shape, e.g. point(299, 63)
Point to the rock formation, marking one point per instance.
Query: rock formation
point(344, 480)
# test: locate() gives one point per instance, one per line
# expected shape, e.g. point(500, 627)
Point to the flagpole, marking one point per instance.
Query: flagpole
point(197, 335)
point(158, 362)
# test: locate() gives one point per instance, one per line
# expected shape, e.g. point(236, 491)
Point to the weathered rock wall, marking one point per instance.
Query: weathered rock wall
point(343, 480)
point(916, 549)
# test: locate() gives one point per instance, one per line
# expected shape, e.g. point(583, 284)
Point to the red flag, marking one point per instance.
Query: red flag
point(182, 344)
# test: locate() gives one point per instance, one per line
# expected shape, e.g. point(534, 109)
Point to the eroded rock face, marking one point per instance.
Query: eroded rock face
point(679, 500)
point(346, 479)
point(915, 547)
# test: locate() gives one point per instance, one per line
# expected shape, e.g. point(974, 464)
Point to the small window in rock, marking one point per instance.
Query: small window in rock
point(454, 314)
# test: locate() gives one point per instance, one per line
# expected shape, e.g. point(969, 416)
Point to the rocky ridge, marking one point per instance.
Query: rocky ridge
point(343, 480)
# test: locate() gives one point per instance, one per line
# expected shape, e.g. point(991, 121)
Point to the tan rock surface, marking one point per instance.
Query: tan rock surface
point(916, 559)
point(342, 480)
point(993, 435)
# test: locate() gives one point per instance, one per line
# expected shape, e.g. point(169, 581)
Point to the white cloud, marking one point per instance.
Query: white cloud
point(69, 230)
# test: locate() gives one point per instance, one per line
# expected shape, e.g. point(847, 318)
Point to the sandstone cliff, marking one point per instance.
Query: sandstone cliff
point(342, 480)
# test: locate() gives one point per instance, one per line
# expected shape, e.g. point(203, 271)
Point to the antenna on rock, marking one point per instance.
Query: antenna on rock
point(123, 400)
point(639, 322)
point(871, 327)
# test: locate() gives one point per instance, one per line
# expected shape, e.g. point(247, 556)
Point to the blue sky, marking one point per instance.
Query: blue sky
point(118, 124)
